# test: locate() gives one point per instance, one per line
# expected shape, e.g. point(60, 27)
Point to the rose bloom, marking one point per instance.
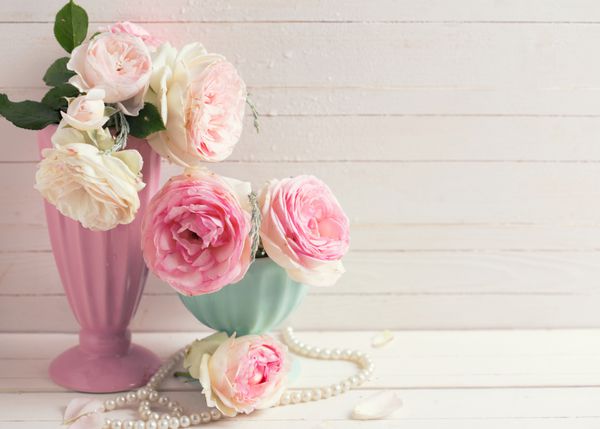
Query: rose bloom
point(118, 63)
point(135, 30)
point(96, 189)
point(86, 112)
point(240, 375)
point(196, 232)
point(304, 229)
point(202, 99)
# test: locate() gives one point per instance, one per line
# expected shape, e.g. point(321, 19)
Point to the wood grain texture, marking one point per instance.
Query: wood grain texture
point(299, 138)
point(492, 379)
point(489, 11)
point(459, 139)
point(433, 56)
point(388, 192)
point(393, 311)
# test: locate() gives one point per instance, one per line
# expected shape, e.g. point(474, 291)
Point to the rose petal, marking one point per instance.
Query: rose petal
point(90, 421)
point(377, 406)
point(382, 338)
point(79, 407)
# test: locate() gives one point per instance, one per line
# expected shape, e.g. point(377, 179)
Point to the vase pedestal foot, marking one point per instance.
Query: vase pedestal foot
point(78, 370)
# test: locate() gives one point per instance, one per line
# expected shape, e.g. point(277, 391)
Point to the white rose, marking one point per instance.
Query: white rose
point(201, 99)
point(99, 190)
point(86, 112)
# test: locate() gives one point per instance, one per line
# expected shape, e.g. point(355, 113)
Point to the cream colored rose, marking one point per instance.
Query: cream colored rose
point(99, 190)
point(201, 98)
point(86, 112)
point(118, 63)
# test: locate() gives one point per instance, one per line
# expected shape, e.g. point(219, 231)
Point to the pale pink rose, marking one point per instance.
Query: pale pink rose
point(137, 31)
point(117, 63)
point(196, 232)
point(86, 112)
point(202, 99)
point(245, 374)
point(304, 229)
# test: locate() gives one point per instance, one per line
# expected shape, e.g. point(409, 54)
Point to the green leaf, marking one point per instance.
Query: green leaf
point(70, 26)
point(55, 98)
point(28, 114)
point(57, 73)
point(146, 123)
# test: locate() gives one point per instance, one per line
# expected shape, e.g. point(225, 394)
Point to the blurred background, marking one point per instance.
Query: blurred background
point(461, 138)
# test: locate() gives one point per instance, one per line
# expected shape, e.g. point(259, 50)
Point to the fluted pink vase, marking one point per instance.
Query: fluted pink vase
point(103, 274)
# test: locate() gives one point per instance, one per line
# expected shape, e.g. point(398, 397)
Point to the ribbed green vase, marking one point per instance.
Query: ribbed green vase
point(258, 303)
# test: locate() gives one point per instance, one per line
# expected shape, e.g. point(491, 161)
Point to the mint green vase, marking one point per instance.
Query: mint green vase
point(258, 303)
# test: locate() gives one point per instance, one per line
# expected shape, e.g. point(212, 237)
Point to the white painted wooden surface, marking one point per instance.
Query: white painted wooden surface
point(468, 379)
point(461, 138)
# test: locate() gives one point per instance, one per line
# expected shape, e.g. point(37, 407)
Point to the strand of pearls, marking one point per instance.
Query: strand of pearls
point(174, 417)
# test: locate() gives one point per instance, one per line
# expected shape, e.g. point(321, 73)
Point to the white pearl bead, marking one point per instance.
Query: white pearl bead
point(153, 396)
point(306, 395)
point(107, 423)
point(142, 393)
point(116, 424)
point(163, 400)
point(140, 424)
point(172, 404)
point(326, 354)
point(336, 353)
point(353, 381)
point(215, 414)
point(316, 394)
point(165, 416)
point(327, 392)
point(128, 424)
point(285, 398)
point(155, 416)
point(205, 417)
point(336, 389)
point(163, 424)
point(174, 423)
point(151, 424)
point(296, 397)
point(110, 405)
point(120, 400)
point(131, 397)
point(195, 419)
point(185, 421)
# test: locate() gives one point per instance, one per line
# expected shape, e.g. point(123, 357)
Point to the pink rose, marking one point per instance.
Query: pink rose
point(304, 229)
point(135, 30)
point(118, 63)
point(202, 99)
point(196, 232)
point(242, 374)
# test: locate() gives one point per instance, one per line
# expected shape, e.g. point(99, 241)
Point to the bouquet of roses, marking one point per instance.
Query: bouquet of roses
point(122, 81)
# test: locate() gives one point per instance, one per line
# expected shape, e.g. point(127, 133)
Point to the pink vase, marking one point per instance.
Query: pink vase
point(103, 274)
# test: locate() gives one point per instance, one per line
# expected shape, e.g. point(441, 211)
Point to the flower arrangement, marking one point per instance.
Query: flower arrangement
point(200, 232)
point(122, 81)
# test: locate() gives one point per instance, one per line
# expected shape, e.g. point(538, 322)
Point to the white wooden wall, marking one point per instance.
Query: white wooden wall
point(461, 137)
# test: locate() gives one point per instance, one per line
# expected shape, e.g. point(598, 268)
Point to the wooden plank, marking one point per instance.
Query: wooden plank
point(396, 138)
point(555, 104)
point(499, 57)
point(413, 273)
point(317, 11)
point(21, 237)
point(423, 360)
point(387, 192)
point(392, 311)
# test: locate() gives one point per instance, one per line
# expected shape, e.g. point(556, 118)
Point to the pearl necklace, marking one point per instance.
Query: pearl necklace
point(175, 417)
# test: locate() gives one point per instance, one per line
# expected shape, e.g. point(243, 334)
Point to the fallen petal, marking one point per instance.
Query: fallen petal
point(89, 421)
point(377, 406)
point(79, 407)
point(382, 338)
